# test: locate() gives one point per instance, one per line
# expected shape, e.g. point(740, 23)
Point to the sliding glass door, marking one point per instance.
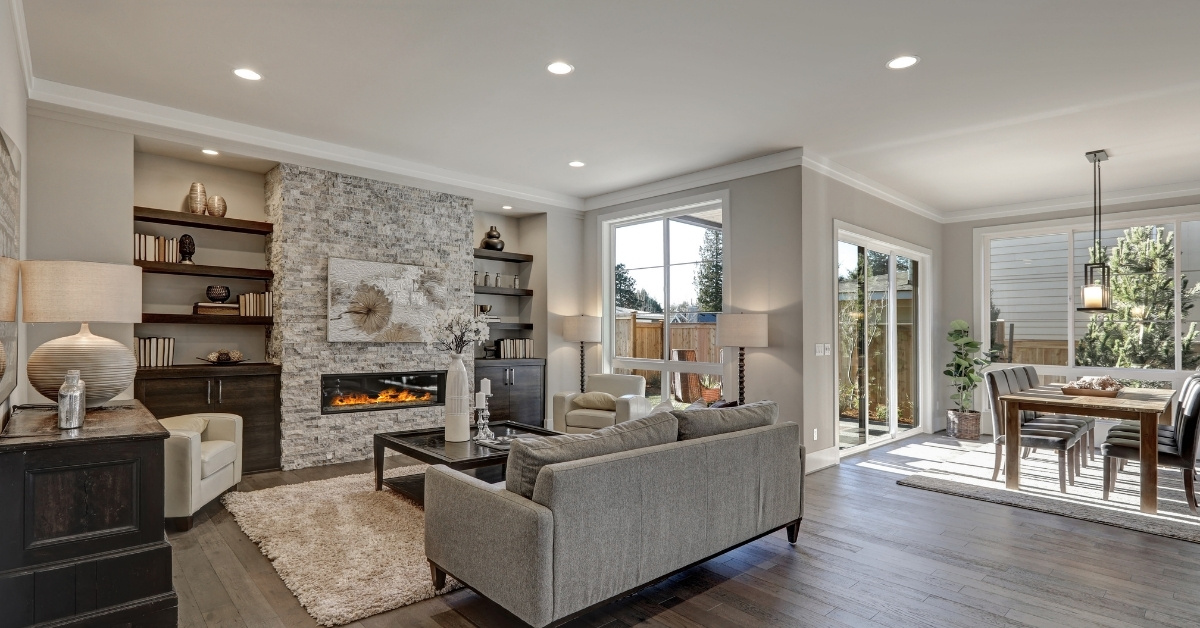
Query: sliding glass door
point(878, 343)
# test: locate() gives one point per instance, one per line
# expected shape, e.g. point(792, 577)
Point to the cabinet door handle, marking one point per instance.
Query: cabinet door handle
point(208, 397)
point(220, 391)
point(513, 379)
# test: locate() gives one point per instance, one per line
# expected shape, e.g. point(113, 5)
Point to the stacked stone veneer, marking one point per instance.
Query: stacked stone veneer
point(318, 215)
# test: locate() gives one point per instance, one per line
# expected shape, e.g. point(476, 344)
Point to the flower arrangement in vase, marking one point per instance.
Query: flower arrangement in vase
point(454, 331)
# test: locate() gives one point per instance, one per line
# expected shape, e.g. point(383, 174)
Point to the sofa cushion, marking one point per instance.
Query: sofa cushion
point(596, 401)
point(529, 455)
point(709, 422)
point(185, 423)
point(216, 455)
point(594, 419)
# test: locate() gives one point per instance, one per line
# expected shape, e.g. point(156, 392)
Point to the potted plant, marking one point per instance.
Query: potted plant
point(963, 372)
point(710, 388)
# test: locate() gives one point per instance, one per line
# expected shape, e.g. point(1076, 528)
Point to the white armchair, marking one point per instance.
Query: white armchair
point(203, 459)
point(630, 391)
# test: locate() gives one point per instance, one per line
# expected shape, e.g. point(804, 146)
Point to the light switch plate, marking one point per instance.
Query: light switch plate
point(820, 349)
point(828, 349)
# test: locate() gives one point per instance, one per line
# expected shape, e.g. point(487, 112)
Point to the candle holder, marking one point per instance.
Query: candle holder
point(482, 416)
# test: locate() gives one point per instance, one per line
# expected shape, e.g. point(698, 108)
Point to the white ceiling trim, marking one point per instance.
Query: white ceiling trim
point(102, 106)
point(710, 176)
point(17, 8)
point(858, 181)
point(1153, 193)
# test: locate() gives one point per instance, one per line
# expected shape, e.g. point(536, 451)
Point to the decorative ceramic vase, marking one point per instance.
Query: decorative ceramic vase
point(458, 393)
point(492, 241)
point(187, 248)
point(216, 206)
point(196, 199)
point(217, 294)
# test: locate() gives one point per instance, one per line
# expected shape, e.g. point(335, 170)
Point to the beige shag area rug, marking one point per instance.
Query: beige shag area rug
point(344, 549)
point(970, 475)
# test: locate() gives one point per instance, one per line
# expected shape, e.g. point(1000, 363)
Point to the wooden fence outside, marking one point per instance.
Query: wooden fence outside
point(643, 338)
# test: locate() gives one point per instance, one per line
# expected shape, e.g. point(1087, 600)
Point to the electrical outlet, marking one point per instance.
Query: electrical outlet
point(814, 433)
point(828, 349)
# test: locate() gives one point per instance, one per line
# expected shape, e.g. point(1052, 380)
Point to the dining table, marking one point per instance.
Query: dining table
point(1145, 405)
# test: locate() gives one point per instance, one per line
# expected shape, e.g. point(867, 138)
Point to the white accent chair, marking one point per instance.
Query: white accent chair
point(203, 459)
point(630, 391)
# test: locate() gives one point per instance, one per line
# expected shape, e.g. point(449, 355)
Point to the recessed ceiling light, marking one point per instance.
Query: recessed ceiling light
point(906, 61)
point(560, 67)
point(248, 74)
point(506, 207)
point(576, 164)
point(209, 151)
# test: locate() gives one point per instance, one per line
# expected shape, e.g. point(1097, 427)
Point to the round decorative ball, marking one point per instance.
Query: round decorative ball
point(107, 366)
point(216, 206)
point(217, 294)
point(196, 199)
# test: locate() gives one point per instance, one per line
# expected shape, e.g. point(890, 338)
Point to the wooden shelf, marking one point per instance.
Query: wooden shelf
point(200, 270)
point(203, 369)
point(205, 319)
point(504, 292)
point(511, 325)
point(503, 256)
point(164, 217)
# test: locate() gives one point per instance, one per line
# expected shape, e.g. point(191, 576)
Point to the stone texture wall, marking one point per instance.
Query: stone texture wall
point(318, 215)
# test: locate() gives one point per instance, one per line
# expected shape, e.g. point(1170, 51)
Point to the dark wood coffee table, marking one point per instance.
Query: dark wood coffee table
point(430, 446)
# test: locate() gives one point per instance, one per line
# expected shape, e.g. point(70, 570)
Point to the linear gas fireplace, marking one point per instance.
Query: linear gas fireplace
point(366, 392)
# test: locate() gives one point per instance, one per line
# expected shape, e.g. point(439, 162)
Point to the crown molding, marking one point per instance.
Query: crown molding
point(863, 183)
point(1134, 195)
point(700, 178)
point(139, 116)
point(17, 9)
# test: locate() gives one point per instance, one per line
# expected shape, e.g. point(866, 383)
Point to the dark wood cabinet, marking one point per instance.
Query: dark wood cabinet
point(81, 529)
point(250, 391)
point(518, 389)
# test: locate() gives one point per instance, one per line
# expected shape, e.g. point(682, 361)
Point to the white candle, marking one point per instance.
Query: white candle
point(485, 386)
point(1093, 296)
point(480, 399)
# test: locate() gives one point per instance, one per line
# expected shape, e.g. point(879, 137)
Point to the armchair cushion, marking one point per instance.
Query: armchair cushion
point(528, 455)
point(592, 419)
point(216, 455)
point(709, 422)
point(596, 400)
point(188, 423)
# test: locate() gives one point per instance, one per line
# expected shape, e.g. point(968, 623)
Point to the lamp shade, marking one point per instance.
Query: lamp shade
point(741, 330)
point(581, 329)
point(80, 292)
point(10, 270)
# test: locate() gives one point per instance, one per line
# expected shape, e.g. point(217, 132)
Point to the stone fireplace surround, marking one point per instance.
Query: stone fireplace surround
point(320, 214)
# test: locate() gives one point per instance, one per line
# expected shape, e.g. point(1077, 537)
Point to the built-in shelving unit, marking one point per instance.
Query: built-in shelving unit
point(503, 256)
point(504, 292)
point(508, 258)
point(204, 319)
point(165, 217)
point(200, 270)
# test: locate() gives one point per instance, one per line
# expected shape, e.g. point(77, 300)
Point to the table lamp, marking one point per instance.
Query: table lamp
point(81, 292)
point(741, 331)
point(581, 329)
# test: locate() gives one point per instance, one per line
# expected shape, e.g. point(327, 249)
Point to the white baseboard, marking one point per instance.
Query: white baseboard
point(816, 460)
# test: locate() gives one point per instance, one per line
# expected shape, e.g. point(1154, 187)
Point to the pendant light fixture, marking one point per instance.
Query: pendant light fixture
point(1096, 295)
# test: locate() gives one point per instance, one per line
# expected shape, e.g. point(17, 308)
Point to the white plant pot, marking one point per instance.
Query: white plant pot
point(458, 395)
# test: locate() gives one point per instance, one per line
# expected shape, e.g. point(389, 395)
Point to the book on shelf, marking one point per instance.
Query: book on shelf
point(514, 348)
point(155, 248)
point(154, 351)
point(216, 309)
point(255, 304)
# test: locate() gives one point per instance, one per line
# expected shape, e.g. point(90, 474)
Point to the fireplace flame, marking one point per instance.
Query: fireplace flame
point(389, 395)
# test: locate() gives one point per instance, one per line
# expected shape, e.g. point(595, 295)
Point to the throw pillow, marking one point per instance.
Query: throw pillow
point(721, 403)
point(186, 423)
point(709, 422)
point(698, 404)
point(528, 455)
point(596, 401)
point(663, 406)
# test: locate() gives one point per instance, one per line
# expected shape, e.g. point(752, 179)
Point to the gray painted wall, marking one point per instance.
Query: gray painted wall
point(12, 120)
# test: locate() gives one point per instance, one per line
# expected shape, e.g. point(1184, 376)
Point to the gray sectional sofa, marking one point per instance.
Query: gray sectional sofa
point(587, 518)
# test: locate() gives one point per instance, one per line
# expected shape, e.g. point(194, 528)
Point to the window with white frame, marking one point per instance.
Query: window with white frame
point(665, 285)
point(1032, 282)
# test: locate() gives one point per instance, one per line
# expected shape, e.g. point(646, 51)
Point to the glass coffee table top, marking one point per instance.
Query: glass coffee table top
point(431, 443)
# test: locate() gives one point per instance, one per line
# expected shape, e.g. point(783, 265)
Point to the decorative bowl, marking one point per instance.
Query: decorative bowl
point(1089, 392)
point(217, 294)
point(222, 363)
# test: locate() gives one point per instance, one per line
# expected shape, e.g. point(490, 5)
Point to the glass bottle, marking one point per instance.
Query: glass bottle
point(516, 282)
point(476, 281)
point(487, 279)
point(71, 402)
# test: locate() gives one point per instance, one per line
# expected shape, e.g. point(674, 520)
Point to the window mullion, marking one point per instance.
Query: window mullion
point(1178, 298)
point(1071, 297)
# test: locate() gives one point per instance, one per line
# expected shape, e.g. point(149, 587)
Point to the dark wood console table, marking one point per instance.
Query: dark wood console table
point(81, 521)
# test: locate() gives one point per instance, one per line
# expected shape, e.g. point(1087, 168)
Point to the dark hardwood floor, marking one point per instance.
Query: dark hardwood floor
point(870, 554)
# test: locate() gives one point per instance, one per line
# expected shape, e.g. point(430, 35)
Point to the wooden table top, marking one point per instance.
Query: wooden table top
point(33, 427)
point(1142, 400)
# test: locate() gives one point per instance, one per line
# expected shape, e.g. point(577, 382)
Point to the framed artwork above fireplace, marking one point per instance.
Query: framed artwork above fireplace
point(381, 302)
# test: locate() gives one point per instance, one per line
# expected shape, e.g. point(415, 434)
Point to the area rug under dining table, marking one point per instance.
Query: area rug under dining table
point(345, 550)
point(970, 475)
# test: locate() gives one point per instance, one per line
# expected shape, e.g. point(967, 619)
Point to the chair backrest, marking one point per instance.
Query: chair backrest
point(617, 385)
point(997, 385)
point(1188, 433)
point(1184, 390)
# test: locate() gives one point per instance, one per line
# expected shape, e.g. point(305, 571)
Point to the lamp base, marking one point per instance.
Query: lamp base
point(106, 366)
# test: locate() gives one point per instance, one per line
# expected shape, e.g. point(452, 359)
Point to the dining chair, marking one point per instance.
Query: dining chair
point(1058, 437)
point(1022, 378)
point(1166, 433)
point(1087, 447)
point(1180, 453)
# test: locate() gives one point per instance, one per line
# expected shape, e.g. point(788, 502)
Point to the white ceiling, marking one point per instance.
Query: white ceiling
point(1007, 98)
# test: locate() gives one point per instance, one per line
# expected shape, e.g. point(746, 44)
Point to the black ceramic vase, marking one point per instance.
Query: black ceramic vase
point(492, 241)
point(187, 248)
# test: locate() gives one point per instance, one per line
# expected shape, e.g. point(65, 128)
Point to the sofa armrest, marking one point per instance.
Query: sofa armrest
point(181, 473)
point(223, 426)
point(631, 407)
point(564, 402)
point(514, 570)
